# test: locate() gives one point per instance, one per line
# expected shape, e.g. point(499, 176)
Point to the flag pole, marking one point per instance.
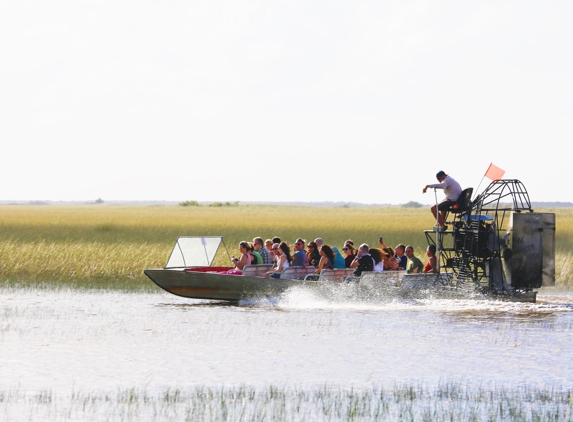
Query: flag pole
point(477, 190)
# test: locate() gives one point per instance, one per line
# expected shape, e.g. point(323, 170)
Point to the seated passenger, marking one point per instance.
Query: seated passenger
point(378, 255)
point(432, 264)
point(326, 259)
point(299, 256)
point(415, 266)
point(363, 261)
point(350, 253)
point(274, 252)
point(240, 262)
point(390, 264)
point(339, 261)
point(265, 254)
point(256, 256)
point(312, 254)
point(282, 252)
point(269, 245)
point(400, 257)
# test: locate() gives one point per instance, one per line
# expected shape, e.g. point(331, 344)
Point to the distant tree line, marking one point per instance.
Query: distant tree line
point(412, 204)
point(189, 204)
point(212, 204)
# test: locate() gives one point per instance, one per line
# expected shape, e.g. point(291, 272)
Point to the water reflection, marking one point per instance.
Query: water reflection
point(199, 304)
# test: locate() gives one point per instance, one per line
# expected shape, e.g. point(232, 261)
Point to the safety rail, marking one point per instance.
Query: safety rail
point(294, 273)
point(335, 274)
point(384, 278)
point(259, 270)
point(404, 280)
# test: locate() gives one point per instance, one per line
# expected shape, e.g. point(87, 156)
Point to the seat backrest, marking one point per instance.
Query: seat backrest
point(336, 274)
point(289, 273)
point(294, 273)
point(464, 201)
point(256, 270)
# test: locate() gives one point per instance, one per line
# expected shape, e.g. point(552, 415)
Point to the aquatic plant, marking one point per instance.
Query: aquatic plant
point(447, 401)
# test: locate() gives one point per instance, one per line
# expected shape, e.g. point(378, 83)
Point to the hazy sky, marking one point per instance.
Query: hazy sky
point(282, 100)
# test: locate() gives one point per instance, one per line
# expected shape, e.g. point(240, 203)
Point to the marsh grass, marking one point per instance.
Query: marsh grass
point(406, 402)
point(110, 246)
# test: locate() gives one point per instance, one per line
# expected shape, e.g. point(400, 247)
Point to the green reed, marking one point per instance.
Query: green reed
point(448, 400)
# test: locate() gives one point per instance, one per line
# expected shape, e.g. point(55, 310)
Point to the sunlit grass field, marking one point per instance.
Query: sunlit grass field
point(109, 246)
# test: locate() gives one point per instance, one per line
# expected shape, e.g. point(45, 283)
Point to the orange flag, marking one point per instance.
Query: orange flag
point(494, 172)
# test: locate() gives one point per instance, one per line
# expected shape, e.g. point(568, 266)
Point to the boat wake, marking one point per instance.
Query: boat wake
point(349, 297)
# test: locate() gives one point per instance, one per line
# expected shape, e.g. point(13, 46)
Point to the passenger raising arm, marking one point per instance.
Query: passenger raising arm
point(363, 261)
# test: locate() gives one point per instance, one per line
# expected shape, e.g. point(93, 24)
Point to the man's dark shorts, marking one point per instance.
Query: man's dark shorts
point(446, 204)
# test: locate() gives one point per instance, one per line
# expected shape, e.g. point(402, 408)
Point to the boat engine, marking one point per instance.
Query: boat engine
point(498, 242)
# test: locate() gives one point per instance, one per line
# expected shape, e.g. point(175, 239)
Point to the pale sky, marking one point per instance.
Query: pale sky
point(360, 101)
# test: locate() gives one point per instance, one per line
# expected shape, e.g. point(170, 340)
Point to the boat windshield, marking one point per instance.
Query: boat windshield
point(194, 251)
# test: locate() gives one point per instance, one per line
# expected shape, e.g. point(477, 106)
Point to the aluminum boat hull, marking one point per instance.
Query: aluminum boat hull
point(201, 285)
point(214, 286)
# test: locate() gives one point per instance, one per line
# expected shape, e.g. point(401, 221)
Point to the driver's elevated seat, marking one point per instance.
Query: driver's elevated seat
point(464, 202)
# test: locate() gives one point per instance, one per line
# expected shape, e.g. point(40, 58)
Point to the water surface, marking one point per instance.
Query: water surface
point(66, 341)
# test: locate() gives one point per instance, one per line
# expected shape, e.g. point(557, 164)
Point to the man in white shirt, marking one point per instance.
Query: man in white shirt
point(452, 190)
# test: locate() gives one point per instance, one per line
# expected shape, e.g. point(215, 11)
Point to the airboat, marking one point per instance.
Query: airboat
point(497, 247)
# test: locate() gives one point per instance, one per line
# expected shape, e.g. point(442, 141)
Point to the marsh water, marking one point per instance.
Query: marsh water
point(57, 344)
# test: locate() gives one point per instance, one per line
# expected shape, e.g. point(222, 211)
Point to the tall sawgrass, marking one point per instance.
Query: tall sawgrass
point(109, 245)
